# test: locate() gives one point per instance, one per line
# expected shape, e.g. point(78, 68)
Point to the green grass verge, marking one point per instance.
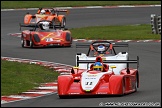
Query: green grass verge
point(125, 32)
point(19, 77)
point(38, 4)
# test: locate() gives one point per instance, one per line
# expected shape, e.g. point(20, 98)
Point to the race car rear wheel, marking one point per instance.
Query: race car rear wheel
point(53, 22)
point(63, 22)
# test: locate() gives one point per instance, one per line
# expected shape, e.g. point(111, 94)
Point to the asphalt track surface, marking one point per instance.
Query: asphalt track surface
point(148, 52)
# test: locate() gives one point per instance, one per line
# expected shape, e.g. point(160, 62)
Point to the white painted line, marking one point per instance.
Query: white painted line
point(2, 102)
point(38, 92)
point(126, 6)
point(18, 96)
point(53, 87)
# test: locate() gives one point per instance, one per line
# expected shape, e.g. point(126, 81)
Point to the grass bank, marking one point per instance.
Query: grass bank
point(38, 4)
point(18, 77)
point(126, 32)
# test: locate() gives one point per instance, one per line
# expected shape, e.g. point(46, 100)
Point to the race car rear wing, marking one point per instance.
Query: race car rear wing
point(56, 11)
point(27, 25)
point(61, 10)
point(34, 26)
point(107, 44)
point(85, 45)
point(111, 61)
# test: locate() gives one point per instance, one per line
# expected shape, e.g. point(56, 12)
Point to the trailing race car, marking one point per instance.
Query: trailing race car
point(104, 49)
point(100, 79)
point(51, 14)
point(43, 34)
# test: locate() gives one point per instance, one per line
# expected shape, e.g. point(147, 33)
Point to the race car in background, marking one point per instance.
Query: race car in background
point(104, 49)
point(43, 34)
point(51, 14)
point(99, 79)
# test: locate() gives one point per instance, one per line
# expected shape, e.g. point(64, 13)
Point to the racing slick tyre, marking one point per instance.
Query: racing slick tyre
point(63, 22)
point(53, 22)
point(136, 84)
point(22, 42)
point(123, 88)
point(31, 43)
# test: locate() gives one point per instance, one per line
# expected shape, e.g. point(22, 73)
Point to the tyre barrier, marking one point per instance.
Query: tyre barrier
point(156, 24)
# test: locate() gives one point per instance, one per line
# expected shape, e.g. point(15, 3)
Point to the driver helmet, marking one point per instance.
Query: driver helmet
point(101, 49)
point(45, 25)
point(98, 66)
point(42, 12)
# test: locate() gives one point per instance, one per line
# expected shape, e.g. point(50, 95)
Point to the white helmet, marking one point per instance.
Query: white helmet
point(101, 49)
point(45, 25)
point(42, 12)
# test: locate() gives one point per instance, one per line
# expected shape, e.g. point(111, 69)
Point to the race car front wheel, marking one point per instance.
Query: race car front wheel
point(123, 87)
point(22, 42)
point(31, 43)
point(136, 83)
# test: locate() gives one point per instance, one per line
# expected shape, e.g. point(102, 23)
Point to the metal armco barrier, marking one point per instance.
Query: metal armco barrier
point(156, 24)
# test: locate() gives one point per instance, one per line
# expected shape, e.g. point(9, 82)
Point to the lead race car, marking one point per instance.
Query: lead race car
point(51, 14)
point(104, 49)
point(99, 80)
point(43, 34)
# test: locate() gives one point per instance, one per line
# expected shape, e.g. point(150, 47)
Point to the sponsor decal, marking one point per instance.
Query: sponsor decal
point(90, 78)
point(74, 87)
point(47, 36)
point(74, 93)
point(92, 75)
point(103, 87)
point(88, 83)
point(103, 58)
point(50, 37)
point(101, 93)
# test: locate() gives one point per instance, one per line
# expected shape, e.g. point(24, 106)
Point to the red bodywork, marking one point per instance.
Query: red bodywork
point(107, 83)
point(46, 38)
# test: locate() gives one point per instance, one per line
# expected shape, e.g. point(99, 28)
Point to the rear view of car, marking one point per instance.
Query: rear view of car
point(50, 14)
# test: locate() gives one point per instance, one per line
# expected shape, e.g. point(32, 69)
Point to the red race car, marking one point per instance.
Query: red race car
point(99, 79)
point(51, 14)
point(43, 34)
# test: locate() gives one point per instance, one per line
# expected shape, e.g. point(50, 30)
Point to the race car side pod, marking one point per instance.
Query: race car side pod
point(112, 61)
